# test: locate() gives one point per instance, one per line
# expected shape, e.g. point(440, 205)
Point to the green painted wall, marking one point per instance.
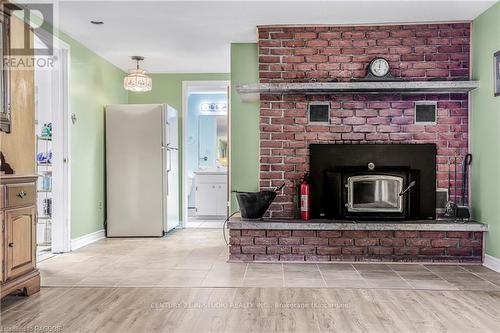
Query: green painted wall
point(485, 125)
point(167, 88)
point(244, 122)
point(94, 83)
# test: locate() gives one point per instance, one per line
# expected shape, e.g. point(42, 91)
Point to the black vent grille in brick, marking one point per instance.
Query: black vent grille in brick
point(425, 113)
point(319, 113)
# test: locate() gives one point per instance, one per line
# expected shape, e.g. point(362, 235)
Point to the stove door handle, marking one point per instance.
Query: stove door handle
point(408, 188)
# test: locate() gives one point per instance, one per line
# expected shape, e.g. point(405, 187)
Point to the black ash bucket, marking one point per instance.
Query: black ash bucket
point(253, 205)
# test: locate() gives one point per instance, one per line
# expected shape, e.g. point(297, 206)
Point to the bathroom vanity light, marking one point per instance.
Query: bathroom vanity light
point(213, 108)
point(137, 80)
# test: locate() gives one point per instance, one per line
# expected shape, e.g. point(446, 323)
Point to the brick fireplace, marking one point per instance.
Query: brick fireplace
point(295, 64)
point(327, 53)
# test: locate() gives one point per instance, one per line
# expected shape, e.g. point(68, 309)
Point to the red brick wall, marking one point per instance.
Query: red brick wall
point(355, 245)
point(415, 52)
point(301, 54)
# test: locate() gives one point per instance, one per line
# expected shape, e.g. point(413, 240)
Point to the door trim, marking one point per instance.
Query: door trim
point(183, 163)
point(61, 222)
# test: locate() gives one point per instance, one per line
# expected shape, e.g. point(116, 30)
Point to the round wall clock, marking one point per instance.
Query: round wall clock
point(379, 67)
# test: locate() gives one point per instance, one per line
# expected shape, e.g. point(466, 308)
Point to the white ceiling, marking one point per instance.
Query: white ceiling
point(195, 37)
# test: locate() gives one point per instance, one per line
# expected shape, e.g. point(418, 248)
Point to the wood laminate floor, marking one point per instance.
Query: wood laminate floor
point(254, 310)
point(182, 283)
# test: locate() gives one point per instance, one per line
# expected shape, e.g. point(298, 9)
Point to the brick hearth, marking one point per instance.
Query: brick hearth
point(355, 245)
point(298, 54)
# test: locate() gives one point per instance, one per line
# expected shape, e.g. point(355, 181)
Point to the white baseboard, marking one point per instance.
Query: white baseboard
point(87, 239)
point(492, 263)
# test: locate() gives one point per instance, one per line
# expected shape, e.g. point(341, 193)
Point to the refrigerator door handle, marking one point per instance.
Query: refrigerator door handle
point(169, 155)
point(166, 180)
point(168, 148)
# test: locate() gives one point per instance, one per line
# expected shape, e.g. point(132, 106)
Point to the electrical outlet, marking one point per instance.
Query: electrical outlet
point(99, 205)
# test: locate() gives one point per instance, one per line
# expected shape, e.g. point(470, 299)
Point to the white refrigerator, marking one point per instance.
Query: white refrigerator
point(142, 170)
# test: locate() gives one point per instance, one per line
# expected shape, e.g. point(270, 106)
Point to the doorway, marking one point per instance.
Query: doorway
point(205, 154)
point(52, 131)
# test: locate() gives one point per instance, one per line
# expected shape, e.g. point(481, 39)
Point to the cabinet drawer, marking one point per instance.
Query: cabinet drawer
point(19, 195)
point(211, 179)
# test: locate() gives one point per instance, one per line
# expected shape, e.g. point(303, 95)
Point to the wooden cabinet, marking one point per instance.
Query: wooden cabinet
point(18, 271)
point(18, 241)
point(211, 194)
point(1, 249)
point(20, 236)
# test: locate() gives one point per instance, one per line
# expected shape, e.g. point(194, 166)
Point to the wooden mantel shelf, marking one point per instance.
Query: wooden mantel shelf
point(407, 87)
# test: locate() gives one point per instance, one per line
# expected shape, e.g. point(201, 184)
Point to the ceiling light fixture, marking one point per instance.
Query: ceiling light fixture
point(137, 80)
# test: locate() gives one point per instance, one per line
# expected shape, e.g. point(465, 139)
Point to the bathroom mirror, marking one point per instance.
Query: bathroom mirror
point(5, 110)
point(222, 146)
point(212, 142)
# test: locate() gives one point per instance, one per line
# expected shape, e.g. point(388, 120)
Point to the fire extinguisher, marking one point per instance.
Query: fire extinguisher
point(304, 188)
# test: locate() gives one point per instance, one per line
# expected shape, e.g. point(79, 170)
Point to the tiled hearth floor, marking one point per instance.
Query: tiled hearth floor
point(197, 258)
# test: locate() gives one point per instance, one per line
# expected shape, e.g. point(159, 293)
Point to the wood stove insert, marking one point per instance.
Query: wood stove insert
point(373, 181)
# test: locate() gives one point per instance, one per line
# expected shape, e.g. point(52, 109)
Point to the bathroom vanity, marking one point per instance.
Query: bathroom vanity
point(211, 193)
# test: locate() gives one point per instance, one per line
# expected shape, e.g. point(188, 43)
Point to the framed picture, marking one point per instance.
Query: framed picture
point(496, 74)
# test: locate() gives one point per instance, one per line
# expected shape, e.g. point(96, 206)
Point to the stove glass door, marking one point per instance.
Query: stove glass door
point(375, 193)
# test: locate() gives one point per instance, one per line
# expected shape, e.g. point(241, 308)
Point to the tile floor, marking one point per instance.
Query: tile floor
point(197, 258)
point(202, 223)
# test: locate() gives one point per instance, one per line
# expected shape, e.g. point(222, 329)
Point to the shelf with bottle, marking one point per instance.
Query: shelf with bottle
point(45, 209)
point(43, 233)
point(44, 158)
point(46, 132)
point(43, 138)
point(44, 146)
point(44, 184)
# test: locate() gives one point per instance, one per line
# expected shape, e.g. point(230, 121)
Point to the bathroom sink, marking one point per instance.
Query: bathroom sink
point(211, 172)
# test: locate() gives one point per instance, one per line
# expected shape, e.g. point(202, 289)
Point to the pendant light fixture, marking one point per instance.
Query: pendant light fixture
point(137, 80)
